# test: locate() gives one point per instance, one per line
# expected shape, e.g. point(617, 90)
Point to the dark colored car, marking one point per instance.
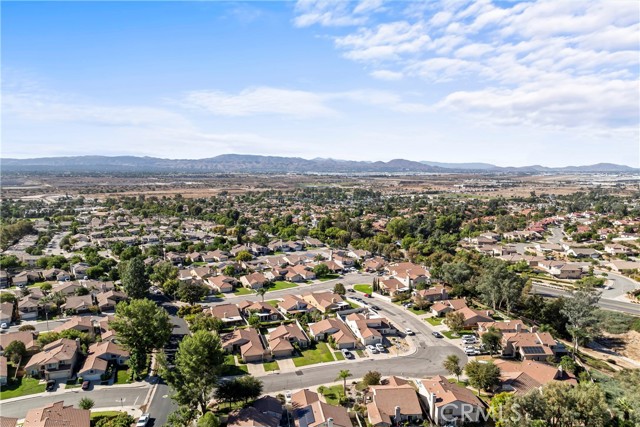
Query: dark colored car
point(437, 334)
point(51, 384)
point(85, 385)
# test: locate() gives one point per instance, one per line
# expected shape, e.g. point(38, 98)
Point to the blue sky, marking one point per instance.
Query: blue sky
point(553, 83)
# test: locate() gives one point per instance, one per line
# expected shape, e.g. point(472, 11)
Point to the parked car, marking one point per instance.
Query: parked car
point(350, 290)
point(380, 348)
point(143, 420)
point(408, 332)
point(85, 385)
point(437, 334)
point(51, 385)
point(347, 354)
point(287, 396)
point(367, 296)
point(372, 349)
point(4, 326)
point(471, 352)
point(375, 307)
point(469, 341)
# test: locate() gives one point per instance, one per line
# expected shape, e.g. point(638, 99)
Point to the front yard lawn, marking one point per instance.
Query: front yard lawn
point(435, 321)
point(21, 387)
point(329, 277)
point(122, 376)
point(451, 336)
point(273, 302)
point(230, 368)
point(320, 354)
point(360, 353)
point(418, 311)
point(243, 291)
point(366, 289)
point(271, 366)
point(339, 355)
point(279, 285)
point(332, 394)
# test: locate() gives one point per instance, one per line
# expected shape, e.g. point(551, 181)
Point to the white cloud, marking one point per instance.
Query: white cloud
point(387, 75)
point(327, 13)
point(292, 103)
point(537, 63)
point(260, 100)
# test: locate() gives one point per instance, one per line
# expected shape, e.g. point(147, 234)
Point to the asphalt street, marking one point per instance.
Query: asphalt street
point(105, 397)
point(608, 304)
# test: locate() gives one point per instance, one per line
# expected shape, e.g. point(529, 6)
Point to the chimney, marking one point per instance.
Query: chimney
point(518, 326)
point(331, 255)
point(432, 406)
point(396, 414)
point(78, 343)
point(329, 422)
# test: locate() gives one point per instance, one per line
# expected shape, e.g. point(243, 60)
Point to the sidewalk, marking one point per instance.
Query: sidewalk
point(63, 390)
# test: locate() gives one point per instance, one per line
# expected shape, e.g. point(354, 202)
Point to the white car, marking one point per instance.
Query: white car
point(287, 396)
point(372, 349)
point(143, 420)
point(380, 348)
point(408, 332)
point(471, 352)
point(4, 326)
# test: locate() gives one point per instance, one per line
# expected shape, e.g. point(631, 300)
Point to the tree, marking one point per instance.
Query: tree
point(254, 321)
point(568, 365)
point(244, 388)
point(191, 293)
point(198, 362)
point(208, 420)
point(498, 285)
point(339, 289)
point(580, 312)
point(482, 376)
point(181, 417)
point(321, 270)
point(134, 278)
point(458, 273)
point(203, 322)
point(244, 256)
point(455, 321)
point(120, 420)
point(452, 365)
point(86, 403)
point(343, 375)
point(141, 326)
point(15, 351)
point(7, 297)
point(25, 328)
point(492, 340)
point(162, 272)
point(261, 291)
point(371, 378)
point(559, 404)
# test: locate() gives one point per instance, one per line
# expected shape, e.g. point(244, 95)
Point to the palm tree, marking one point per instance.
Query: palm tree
point(261, 292)
point(343, 375)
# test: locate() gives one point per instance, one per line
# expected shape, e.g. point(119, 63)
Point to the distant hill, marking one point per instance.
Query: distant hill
point(244, 163)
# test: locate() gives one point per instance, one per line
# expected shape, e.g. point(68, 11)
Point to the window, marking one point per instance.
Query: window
point(448, 411)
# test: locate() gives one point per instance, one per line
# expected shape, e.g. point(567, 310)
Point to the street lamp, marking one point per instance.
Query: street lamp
point(121, 400)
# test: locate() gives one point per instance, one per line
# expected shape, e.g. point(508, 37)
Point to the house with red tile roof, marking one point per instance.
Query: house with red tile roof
point(523, 377)
point(393, 405)
point(448, 402)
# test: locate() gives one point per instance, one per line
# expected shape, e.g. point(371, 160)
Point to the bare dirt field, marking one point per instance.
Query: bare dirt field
point(207, 185)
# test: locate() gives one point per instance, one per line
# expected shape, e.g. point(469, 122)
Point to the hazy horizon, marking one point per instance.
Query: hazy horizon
point(511, 84)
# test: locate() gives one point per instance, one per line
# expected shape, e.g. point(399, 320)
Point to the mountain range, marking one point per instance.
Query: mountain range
point(242, 163)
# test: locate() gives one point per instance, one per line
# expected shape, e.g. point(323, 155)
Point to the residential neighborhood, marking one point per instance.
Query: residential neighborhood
point(319, 330)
